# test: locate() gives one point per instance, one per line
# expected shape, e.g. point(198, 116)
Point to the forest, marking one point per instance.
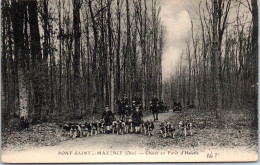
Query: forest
point(71, 58)
point(218, 69)
point(65, 63)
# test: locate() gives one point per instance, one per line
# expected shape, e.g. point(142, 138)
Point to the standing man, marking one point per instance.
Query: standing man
point(108, 116)
point(154, 107)
point(125, 100)
point(125, 105)
point(155, 99)
point(137, 118)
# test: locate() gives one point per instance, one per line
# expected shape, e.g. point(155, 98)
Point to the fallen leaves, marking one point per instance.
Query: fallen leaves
point(46, 134)
point(233, 129)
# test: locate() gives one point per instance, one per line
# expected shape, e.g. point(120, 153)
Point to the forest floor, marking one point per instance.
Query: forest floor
point(232, 131)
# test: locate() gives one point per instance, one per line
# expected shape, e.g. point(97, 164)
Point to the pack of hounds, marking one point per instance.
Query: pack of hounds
point(121, 127)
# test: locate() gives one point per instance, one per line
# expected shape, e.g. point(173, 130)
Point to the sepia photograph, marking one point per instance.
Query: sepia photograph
point(123, 81)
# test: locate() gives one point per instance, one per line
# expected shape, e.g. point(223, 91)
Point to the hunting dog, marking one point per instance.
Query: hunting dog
point(121, 127)
point(186, 127)
point(148, 128)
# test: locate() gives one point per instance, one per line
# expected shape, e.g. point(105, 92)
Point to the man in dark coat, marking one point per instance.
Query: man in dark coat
point(137, 117)
point(125, 100)
point(125, 105)
point(154, 107)
point(108, 116)
point(154, 99)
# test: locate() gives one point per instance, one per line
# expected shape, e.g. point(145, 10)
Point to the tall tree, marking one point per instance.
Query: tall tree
point(254, 89)
point(17, 13)
point(118, 85)
point(94, 72)
point(36, 59)
point(4, 58)
point(111, 55)
point(76, 60)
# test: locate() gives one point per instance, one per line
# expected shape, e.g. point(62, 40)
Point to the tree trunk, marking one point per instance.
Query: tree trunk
point(4, 61)
point(118, 49)
point(76, 64)
point(255, 57)
point(18, 9)
point(36, 58)
point(215, 59)
point(94, 73)
point(112, 85)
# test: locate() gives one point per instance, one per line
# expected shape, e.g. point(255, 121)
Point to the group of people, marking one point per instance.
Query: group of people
point(126, 110)
point(134, 111)
point(109, 117)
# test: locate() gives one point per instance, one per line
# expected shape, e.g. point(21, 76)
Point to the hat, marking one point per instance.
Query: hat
point(106, 106)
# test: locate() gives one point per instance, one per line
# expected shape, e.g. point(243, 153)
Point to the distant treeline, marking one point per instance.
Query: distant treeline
point(219, 67)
